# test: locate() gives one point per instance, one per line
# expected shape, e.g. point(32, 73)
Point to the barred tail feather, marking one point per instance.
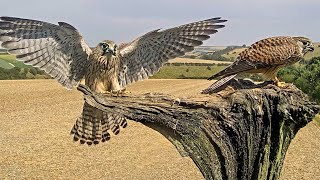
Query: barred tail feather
point(116, 121)
point(93, 126)
point(218, 85)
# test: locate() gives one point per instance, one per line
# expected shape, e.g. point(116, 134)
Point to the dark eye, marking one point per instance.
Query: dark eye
point(104, 46)
point(305, 43)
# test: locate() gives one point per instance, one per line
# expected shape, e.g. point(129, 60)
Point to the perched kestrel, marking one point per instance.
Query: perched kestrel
point(266, 56)
point(61, 52)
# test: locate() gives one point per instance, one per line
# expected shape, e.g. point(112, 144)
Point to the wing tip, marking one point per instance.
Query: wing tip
point(67, 25)
point(219, 26)
point(217, 20)
point(218, 85)
point(223, 20)
point(3, 17)
point(9, 18)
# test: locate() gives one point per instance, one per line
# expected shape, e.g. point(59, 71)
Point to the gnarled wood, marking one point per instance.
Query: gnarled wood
point(241, 134)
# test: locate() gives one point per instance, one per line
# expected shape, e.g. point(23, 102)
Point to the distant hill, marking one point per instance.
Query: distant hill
point(190, 61)
point(10, 68)
point(212, 52)
point(12, 60)
point(209, 48)
point(4, 64)
point(232, 55)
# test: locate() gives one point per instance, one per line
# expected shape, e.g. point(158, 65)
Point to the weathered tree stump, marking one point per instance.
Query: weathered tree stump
point(242, 134)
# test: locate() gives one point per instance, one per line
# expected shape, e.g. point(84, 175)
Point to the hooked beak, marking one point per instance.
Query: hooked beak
point(108, 51)
point(311, 48)
point(111, 51)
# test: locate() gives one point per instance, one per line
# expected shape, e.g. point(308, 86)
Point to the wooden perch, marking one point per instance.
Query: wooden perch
point(242, 134)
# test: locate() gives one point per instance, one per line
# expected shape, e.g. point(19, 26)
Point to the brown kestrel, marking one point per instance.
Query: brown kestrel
point(266, 56)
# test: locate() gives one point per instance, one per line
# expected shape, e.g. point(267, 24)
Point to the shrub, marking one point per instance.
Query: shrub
point(306, 77)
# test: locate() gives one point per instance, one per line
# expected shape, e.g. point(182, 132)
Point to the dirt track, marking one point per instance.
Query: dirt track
point(37, 115)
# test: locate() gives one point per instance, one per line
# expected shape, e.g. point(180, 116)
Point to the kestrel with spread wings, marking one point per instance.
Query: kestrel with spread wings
point(266, 56)
point(61, 51)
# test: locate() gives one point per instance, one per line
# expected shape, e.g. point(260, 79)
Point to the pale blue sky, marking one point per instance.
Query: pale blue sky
point(122, 21)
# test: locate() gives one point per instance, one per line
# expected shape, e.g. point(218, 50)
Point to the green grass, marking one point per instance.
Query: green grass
point(5, 65)
point(12, 59)
point(7, 57)
point(187, 72)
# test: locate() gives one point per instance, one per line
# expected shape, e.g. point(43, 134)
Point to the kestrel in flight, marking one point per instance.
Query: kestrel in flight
point(61, 51)
point(266, 56)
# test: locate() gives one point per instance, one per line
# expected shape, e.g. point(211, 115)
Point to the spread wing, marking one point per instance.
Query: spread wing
point(59, 50)
point(146, 55)
point(266, 53)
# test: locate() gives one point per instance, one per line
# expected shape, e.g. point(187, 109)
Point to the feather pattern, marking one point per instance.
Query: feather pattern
point(216, 86)
point(59, 50)
point(267, 53)
point(266, 56)
point(146, 55)
point(93, 125)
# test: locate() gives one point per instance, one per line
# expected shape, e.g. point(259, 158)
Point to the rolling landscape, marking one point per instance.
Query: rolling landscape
point(37, 115)
point(119, 90)
point(199, 64)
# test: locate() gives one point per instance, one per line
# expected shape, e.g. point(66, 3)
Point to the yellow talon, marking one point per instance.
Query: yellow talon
point(282, 84)
point(116, 93)
point(278, 83)
point(121, 92)
point(124, 92)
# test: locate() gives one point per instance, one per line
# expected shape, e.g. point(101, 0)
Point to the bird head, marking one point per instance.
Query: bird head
point(107, 48)
point(305, 44)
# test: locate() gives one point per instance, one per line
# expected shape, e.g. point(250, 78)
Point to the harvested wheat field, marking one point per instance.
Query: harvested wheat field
point(188, 60)
point(37, 115)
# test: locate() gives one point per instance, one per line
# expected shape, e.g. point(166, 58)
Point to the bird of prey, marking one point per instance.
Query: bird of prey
point(266, 56)
point(61, 52)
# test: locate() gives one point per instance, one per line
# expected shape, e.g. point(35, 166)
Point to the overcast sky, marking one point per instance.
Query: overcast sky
point(122, 21)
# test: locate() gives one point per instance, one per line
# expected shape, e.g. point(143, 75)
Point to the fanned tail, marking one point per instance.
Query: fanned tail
point(218, 85)
point(93, 126)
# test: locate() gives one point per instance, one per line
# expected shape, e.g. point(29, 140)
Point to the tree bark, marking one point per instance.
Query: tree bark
point(242, 134)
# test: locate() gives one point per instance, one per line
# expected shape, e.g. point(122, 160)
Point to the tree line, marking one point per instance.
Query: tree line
point(22, 73)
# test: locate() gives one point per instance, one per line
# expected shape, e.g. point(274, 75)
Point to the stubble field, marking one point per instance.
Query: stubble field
point(37, 115)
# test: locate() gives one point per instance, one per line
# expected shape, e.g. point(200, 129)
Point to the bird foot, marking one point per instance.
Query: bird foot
point(121, 92)
point(282, 84)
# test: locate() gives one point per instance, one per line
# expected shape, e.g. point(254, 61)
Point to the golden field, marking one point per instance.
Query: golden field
point(188, 60)
point(37, 116)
